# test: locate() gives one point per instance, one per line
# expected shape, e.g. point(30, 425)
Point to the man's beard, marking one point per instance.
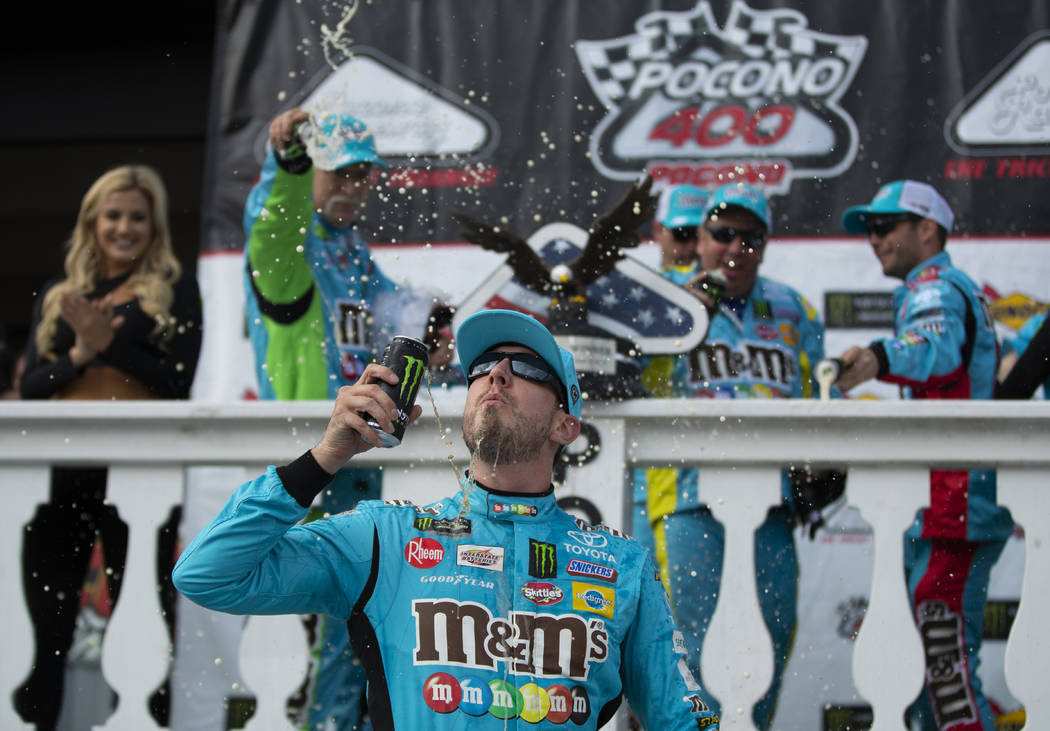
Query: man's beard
point(492, 442)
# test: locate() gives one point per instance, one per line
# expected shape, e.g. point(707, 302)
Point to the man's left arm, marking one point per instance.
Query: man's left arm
point(254, 558)
point(927, 349)
point(657, 682)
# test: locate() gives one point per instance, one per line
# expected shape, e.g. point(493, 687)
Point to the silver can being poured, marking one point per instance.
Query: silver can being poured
point(407, 357)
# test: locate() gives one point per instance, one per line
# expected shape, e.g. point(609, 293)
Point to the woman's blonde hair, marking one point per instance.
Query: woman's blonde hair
point(151, 278)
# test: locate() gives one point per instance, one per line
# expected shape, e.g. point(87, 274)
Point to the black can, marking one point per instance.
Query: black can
point(407, 357)
point(714, 286)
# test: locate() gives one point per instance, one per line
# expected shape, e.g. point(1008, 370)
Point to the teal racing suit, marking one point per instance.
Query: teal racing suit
point(944, 347)
point(310, 291)
point(487, 610)
point(763, 346)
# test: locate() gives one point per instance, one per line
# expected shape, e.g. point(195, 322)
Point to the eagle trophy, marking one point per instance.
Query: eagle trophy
point(566, 285)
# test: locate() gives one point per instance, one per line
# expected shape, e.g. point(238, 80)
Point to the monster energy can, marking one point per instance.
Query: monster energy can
point(407, 357)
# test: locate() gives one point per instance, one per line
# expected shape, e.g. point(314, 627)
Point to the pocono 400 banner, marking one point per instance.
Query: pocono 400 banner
point(530, 114)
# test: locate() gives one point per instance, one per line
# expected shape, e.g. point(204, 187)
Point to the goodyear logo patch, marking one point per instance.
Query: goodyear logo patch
point(590, 598)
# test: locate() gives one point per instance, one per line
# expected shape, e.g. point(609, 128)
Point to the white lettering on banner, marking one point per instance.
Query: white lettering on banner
point(740, 80)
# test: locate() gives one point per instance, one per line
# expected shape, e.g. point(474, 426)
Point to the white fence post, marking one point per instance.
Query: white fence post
point(887, 657)
point(737, 664)
point(23, 488)
point(1022, 491)
point(144, 496)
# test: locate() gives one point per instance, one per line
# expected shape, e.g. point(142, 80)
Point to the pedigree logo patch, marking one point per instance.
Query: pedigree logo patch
point(424, 553)
point(590, 598)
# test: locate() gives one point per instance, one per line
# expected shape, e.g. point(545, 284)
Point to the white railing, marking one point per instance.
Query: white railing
point(887, 446)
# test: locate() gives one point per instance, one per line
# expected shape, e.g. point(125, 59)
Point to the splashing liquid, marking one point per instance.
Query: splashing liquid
point(469, 487)
point(337, 40)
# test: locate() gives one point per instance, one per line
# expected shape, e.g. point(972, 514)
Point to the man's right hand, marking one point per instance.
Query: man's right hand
point(861, 365)
point(347, 432)
point(282, 128)
point(695, 287)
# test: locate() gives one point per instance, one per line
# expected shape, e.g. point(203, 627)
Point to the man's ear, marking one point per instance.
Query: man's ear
point(928, 236)
point(565, 428)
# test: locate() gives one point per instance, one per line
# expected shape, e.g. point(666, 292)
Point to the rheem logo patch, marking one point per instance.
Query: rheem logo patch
point(424, 553)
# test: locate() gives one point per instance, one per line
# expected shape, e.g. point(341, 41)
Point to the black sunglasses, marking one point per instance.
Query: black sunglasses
point(754, 239)
point(882, 225)
point(524, 365)
point(684, 234)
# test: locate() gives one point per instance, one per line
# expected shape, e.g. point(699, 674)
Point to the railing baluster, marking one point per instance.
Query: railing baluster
point(136, 649)
point(22, 489)
point(1029, 643)
point(737, 663)
point(273, 662)
point(887, 657)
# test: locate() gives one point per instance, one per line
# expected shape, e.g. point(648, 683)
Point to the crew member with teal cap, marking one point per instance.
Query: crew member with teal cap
point(313, 295)
point(944, 346)
point(763, 340)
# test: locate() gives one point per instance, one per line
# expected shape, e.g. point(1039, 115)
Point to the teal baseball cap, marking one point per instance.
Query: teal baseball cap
point(740, 195)
point(900, 196)
point(681, 205)
point(339, 140)
point(487, 328)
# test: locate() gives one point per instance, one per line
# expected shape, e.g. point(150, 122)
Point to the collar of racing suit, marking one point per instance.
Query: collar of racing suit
point(510, 506)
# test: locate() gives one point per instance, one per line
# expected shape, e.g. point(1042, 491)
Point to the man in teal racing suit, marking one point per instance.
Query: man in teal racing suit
point(492, 609)
point(763, 341)
point(944, 347)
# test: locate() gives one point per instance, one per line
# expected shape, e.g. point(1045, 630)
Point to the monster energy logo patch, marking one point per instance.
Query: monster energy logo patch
point(414, 368)
point(443, 526)
point(543, 559)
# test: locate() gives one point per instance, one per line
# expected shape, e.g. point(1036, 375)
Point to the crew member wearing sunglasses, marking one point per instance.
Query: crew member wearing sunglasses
point(763, 340)
point(943, 347)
